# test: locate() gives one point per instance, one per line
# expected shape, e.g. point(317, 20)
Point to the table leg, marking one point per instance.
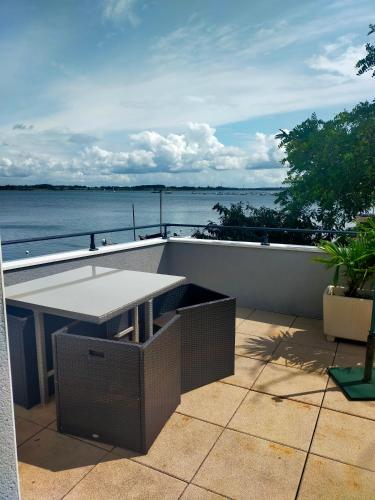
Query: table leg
point(149, 319)
point(136, 324)
point(41, 356)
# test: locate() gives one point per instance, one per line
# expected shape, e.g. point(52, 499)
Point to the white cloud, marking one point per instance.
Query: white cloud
point(149, 153)
point(22, 126)
point(237, 93)
point(219, 74)
point(203, 70)
point(339, 58)
point(120, 10)
point(109, 162)
point(266, 152)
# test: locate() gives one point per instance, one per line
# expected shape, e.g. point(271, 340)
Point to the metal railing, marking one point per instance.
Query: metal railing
point(164, 232)
point(266, 230)
point(91, 234)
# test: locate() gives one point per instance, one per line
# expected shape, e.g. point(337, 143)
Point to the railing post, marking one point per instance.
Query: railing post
point(165, 231)
point(134, 235)
point(92, 242)
point(265, 240)
point(161, 209)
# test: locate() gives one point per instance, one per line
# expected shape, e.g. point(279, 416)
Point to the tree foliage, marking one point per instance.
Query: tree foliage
point(368, 62)
point(240, 214)
point(331, 167)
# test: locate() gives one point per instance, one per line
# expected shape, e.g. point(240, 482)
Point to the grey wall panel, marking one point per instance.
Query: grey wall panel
point(149, 259)
point(279, 280)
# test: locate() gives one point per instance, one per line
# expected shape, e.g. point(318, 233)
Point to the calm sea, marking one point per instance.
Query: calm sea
point(27, 214)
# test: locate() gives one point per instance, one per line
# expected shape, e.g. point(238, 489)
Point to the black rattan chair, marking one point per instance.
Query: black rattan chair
point(22, 348)
point(207, 332)
point(120, 393)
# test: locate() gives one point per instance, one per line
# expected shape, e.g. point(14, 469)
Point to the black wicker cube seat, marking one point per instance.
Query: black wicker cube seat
point(120, 393)
point(207, 332)
point(22, 347)
point(23, 357)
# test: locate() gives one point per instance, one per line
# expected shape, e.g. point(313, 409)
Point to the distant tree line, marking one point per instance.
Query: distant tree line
point(142, 187)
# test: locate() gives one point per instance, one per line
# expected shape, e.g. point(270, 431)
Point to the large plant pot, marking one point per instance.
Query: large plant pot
point(345, 317)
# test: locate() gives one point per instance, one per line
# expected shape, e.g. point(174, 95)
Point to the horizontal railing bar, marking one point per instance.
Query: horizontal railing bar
point(267, 229)
point(167, 225)
point(73, 235)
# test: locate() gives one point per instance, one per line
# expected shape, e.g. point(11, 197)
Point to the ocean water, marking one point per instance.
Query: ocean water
point(28, 214)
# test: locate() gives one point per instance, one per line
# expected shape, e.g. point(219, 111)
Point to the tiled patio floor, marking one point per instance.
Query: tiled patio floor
point(278, 428)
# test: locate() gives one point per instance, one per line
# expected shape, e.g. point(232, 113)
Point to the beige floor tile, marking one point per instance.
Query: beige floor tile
point(39, 414)
point(350, 354)
point(260, 329)
point(346, 438)
point(242, 467)
point(266, 324)
point(308, 333)
point(193, 492)
point(120, 478)
point(346, 360)
point(308, 324)
point(351, 348)
point(304, 357)
point(246, 371)
point(50, 464)
point(242, 313)
point(25, 430)
point(104, 446)
point(292, 383)
point(285, 421)
point(180, 448)
point(335, 399)
point(325, 479)
point(272, 318)
point(255, 346)
point(215, 403)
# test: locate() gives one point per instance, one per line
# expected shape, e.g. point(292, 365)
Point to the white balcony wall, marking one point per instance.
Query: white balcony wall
point(278, 278)
point(8, 457)
point(147, 256)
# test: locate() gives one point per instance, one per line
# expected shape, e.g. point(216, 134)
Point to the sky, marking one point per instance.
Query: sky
point(187, 92)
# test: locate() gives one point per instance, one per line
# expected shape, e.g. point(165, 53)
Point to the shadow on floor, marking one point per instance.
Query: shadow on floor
point(56, 452)
point(288, 350)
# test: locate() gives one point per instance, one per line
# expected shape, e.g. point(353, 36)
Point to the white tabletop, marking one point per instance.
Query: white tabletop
point(90, 293)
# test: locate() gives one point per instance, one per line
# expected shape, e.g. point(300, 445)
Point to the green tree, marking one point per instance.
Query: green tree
point(331, 167)
point(241, 214)
point(368, 62)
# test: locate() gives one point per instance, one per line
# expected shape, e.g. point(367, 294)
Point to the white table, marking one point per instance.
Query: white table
point(90, 293)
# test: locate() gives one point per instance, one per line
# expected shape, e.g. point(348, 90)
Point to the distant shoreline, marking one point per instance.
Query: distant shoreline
point(148, 187)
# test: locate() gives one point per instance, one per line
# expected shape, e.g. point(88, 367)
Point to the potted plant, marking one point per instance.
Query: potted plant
point(347, 303)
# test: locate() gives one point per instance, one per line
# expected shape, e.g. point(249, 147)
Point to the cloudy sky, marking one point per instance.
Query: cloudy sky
point(165, 91)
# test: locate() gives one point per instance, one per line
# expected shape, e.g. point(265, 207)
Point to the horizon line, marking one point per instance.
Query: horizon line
point(47, 186)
